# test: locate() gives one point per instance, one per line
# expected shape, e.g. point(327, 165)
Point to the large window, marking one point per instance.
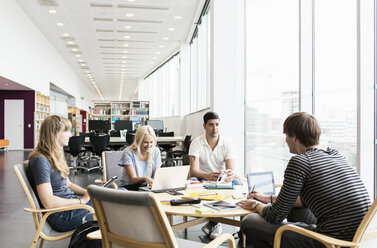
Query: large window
point(161, 89)
point(200, 63)
point(301, 56)
point(272, 82)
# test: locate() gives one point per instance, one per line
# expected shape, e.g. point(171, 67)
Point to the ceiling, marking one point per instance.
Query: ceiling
point(112, 43)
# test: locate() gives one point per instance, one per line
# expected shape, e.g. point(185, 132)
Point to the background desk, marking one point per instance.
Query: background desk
point(120, 141)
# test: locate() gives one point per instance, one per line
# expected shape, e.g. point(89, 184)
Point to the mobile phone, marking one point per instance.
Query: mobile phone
point(110, 181)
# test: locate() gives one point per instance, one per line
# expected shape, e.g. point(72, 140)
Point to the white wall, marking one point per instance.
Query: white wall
point(29, 59)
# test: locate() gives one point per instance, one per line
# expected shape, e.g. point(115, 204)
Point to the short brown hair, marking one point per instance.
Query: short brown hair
point(304, 127)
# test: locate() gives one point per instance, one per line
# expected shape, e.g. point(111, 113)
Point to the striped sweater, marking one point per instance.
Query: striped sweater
point(329, 187)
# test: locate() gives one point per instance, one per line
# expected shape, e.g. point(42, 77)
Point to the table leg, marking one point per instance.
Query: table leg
point(185, 218)
point(170, 218)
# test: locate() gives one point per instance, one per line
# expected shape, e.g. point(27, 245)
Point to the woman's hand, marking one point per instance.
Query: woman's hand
point(148, 180)
point(259, 196)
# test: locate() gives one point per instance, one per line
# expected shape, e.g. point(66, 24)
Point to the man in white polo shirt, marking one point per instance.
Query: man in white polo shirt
point(210, 155)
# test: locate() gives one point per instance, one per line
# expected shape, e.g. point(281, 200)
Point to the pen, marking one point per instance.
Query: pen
point(252, 189)
point(208, 194)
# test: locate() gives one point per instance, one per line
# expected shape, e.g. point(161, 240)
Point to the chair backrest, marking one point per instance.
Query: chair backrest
point(99, 143)
point(75, 144)
point(110, 165)
point(130, 137)
point(186, 144)
point(131, 219)
point(166, 134)
point(366, 233)
point(21, 171)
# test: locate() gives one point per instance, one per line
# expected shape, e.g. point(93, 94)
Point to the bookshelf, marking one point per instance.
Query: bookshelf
point(42, 110)
point(136, 111)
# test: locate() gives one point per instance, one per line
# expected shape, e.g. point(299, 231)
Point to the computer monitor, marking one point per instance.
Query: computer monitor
point(99, 125)
point(157, 125)
point(123, 124)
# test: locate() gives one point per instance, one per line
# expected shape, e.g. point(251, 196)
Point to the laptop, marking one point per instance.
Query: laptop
point(262, 181)
point(169, 178)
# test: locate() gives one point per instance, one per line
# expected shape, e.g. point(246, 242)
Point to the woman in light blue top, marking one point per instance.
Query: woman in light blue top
point(140, 160)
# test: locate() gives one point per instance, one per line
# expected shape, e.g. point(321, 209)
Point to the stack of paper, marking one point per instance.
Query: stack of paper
point(218, 185)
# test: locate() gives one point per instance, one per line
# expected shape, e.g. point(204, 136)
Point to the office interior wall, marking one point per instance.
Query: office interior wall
point(28, 58)
point(29, 107)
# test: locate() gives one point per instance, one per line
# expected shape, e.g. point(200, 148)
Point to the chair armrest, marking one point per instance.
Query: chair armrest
point(99, 181)
point(314, 235)
point(59, 209)
point(221, 239)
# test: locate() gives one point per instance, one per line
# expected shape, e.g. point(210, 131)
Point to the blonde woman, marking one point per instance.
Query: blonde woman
point(48, 173)
point(140, 160)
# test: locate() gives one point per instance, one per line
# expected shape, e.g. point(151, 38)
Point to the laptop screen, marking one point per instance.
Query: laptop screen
point(263, 182)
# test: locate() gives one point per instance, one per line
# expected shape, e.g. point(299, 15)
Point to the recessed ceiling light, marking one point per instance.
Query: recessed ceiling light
point(161, 46)
point(70, 43)
point(78, 55)
point(178, 17)
point(59, 24)
point(125, 51)
point(83, 64)
point(165, 38)
point(65, 34)
point(129, 14)
point(126, 45)
point(124, 57)
point(127, 27)
point(80, 60)
point(52, 11)
point(171, 29)
point(74, 49)
point(127, 36)
point(157, 52)
point(87, 71)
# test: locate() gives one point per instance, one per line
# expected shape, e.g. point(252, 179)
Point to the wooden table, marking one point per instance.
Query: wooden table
point(217, 216)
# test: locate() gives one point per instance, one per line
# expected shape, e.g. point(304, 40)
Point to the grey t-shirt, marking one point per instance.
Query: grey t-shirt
point(42, 172)
point(129, 158)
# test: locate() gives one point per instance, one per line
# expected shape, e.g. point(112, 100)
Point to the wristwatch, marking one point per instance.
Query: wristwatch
point(254, 205)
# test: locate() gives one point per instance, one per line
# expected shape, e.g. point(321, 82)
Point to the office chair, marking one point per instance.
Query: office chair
point(365, 236)
point(75, 145)
point(136, 219)
point(99, 144)
point(181, 155)
point(43, 229)
point(110, 167)
point(166, 146)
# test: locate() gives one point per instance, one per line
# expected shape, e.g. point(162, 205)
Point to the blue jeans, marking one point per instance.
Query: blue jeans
point(69, 220)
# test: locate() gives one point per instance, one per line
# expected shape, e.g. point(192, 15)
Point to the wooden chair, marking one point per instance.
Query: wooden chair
point(365, 236)
point(136, 219)
point(43, 228)
point(111, 168)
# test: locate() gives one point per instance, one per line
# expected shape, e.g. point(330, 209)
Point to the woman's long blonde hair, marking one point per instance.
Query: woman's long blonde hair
point(139, 137)
point(48, 145)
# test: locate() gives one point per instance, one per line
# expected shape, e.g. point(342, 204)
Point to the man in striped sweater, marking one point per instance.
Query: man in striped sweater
point(320, 192)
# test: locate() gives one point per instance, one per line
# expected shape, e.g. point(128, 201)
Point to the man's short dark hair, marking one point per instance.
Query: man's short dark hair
point(304, 127)
point(210, 116)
